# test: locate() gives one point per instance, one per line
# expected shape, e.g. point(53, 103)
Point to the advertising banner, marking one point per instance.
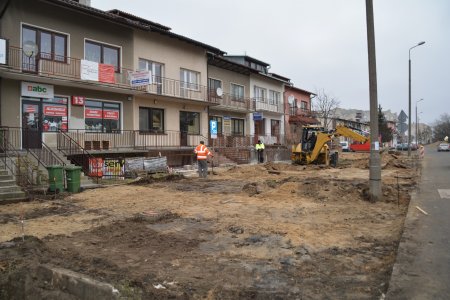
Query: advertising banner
point(111, 114)
point(89, 70)
point(3, 51)
point(96, 167)
point(114, 167)
point(53, 110)
point(140, 78)
point(93, 113)
point(106, 73)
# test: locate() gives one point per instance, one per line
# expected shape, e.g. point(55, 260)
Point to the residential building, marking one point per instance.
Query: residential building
point(298, 113)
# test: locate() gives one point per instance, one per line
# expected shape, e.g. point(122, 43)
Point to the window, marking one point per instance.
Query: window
point(151, 119)
point(51, 45)
point(213, 85)
point(304, 105)
point(274, 97)
point(103, 54)
point(237, 126)
point(260, 94)
point(219, 123)
point(190, 122)
point(54, 114)
point(293, 107)
point(189, 79)
point(101, 116)
point(157, 70)
point(237, 92)
point(274, 127)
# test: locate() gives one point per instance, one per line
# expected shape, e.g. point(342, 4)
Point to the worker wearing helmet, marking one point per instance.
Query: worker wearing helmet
point(202, 153)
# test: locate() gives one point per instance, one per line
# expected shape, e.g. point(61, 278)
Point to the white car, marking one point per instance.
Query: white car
point(443, 147)
point(345, 146)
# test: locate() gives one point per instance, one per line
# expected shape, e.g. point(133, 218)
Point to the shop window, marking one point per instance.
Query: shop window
point(54, 114)
point(101, 116)
point(151, 120)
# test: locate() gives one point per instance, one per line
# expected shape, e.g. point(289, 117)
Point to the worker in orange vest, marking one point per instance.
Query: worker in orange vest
point(202, 153)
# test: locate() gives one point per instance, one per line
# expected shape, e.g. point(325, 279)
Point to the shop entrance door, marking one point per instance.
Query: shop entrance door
point(31, 125)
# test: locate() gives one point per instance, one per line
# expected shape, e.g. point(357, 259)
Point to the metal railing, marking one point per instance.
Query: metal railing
point(69, 147)
point(265, 104)
point(70, 68)
point(230, 101)
point(46, 156)
point(18, 165)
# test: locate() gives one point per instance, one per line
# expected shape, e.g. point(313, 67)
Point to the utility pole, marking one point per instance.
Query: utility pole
point(374, 161)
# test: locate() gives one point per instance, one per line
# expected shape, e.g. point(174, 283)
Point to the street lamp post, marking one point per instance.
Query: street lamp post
point(417, 124)
point(409, 97)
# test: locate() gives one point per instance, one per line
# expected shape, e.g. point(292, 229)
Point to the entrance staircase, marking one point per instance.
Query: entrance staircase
point(10, 192)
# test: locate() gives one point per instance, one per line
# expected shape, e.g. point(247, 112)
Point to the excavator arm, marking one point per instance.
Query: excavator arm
point(347, 132)
point(322, 139)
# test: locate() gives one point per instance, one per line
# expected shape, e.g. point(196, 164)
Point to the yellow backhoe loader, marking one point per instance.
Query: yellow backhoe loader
point(313, 147)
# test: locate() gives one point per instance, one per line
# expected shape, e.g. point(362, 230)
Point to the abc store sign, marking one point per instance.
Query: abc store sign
point(37, 90)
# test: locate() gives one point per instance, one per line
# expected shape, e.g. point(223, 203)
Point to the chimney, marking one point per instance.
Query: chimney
point(84, 2)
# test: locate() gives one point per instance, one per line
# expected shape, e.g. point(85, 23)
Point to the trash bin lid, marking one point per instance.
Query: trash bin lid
point(72, 168)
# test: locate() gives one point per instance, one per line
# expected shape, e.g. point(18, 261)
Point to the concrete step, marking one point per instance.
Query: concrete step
point(12, 195)
point(9, 189)
point(5, 177)
point(4, 172)
point(9, 182)
point(13, 200)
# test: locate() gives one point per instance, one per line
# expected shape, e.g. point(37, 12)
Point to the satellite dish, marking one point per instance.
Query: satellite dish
point(291, 99)
point(30, 48)
point(219, 92)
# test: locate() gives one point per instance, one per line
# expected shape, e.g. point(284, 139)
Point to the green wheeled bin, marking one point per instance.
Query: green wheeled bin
point(73, 174)
point(55, 178)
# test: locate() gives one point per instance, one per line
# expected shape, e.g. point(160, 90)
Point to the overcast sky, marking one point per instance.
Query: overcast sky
point(322, 44)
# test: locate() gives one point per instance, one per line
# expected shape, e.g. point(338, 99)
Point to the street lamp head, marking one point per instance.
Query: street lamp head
point(421, 43)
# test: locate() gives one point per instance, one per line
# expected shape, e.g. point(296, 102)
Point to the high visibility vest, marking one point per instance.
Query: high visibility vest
point(202, 152)
point(259, 146)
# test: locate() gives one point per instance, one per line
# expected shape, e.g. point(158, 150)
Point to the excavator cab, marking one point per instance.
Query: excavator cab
point(309, 137)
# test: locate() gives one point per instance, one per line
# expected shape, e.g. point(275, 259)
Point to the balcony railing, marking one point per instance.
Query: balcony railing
point(230, 101)
point(265, 104)
point(70, 68)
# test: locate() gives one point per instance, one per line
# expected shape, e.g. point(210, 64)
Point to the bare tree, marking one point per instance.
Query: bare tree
point(325, 106)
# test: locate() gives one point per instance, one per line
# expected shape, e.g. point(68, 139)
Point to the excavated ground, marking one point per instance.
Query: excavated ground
point(269, 231)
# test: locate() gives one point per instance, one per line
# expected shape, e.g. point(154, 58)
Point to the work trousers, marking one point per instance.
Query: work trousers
point(202, 168)
point(260, 156)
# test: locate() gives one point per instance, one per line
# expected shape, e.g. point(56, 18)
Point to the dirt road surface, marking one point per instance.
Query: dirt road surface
point(268, 231)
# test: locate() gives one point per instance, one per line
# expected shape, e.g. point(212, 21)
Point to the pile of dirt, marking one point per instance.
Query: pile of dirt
point(270, 230)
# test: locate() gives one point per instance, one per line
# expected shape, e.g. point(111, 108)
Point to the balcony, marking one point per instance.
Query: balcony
point(267, 105)
point(230, 102)
point(68, 68)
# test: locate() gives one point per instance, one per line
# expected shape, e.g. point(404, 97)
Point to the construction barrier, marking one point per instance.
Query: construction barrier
point(421, 151)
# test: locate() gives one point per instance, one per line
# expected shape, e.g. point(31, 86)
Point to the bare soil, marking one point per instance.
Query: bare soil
point(268, 231)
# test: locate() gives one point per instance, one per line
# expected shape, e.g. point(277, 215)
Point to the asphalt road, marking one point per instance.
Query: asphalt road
point(422, 268)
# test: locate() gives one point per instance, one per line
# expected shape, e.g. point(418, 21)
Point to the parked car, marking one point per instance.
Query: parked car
point(443, 147)
point(404, 147)
point(345, 146)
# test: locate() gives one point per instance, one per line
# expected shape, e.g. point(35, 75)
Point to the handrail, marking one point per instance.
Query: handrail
point(46, 161)
point(79, 150)
point(6, 150)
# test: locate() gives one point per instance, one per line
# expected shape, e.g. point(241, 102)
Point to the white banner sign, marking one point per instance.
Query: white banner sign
point(37, 90)
point(89, 70)
point(140, 78)
point(3, 51)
